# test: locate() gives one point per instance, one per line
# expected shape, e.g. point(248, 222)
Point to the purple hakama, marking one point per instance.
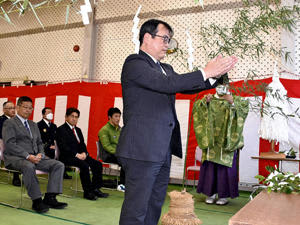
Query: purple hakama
point(218, 179)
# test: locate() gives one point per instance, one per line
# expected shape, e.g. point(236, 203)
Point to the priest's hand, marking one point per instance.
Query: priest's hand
point(228, 98)
point(208, 98)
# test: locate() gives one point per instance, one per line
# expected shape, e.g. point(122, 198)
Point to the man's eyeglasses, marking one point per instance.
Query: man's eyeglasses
point(10, 108)
point(165, 38)
point(27, 108)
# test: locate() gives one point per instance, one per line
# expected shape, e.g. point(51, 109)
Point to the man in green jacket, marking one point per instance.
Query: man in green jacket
point(109, 137)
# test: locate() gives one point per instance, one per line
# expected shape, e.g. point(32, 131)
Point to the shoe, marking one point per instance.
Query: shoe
point(222, 201)
point(67, 177)
point(100, 194)
point(16, 181)
point(39, 206)
point(211, 199)
point(90, 196)
point(51, 201)
point(121, 188)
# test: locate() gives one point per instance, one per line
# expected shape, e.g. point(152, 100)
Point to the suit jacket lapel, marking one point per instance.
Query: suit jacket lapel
point(30, 124)
point(70, 131)
point(168, 73)
point(21, 126)
point(152, 63)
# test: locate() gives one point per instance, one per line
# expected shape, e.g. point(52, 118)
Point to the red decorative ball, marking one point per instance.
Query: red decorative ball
point(76, 48)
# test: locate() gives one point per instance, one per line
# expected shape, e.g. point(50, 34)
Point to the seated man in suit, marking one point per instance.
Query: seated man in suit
point(73, 152)
point(109, 137)
point(24, 152)
point(9, 112)
point(48, 132)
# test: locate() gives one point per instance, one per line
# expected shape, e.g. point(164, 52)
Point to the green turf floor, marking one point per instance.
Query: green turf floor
point(103, 211)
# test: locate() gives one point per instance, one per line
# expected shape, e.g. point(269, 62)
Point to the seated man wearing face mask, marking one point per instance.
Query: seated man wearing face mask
point(48, 132)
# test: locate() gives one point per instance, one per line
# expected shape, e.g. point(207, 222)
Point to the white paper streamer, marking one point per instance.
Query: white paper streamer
point(201, 2)
point(84, 14)
point(190, 50)
point(88, 5)
point(84, 10)
point(274, 125)
point(135, 31)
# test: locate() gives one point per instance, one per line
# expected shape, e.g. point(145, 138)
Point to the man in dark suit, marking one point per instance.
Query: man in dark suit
point(9, 112)
point(73, 152)
point(24, 152)
point(151, 132)
point(48, 132)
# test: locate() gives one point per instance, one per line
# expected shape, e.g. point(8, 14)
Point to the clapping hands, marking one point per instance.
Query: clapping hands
point(219, 66)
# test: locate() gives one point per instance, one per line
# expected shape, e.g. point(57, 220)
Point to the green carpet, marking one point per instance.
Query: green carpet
point(103, 211)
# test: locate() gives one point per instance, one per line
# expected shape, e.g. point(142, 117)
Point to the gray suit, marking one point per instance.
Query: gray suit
point(18, 145)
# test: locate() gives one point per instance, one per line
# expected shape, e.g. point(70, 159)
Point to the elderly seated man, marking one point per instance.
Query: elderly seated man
point(9, 112)
point(24, 152)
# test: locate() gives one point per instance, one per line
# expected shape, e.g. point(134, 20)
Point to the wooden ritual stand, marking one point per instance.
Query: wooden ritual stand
point(272, 153)
point(269, 209)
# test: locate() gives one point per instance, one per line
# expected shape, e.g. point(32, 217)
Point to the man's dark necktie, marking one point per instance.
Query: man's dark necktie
point(160, 68)
point(27, 127)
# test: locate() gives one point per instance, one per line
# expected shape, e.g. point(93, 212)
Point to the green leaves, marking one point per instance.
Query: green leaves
point(280, 182)
point(26, 6)
point(244, 38)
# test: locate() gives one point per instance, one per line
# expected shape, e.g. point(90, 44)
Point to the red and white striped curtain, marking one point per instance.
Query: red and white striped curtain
point(94, 99)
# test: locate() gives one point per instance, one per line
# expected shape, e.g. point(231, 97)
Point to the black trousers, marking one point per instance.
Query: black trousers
point(84, 165)
point(113, 159)
point(146, 187)
point(49, 152)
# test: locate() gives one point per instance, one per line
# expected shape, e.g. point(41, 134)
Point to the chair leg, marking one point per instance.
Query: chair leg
point(194, 180)
point(19, 205)
point(74, 175)
point(76, 181)
point(22, 187)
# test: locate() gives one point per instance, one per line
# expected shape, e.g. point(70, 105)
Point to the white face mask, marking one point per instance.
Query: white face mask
point(49, 116)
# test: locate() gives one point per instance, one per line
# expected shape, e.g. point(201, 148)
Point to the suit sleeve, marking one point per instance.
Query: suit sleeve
point(1, 126)
point(139, 71)
point(10, 141)
point(222, 80)
point(40, 126)
point(39, 141)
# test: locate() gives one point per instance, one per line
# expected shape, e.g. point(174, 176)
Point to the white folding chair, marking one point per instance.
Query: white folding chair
point(75, 169)
point(195, 168)
point(9, 171)
point(22, 188)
